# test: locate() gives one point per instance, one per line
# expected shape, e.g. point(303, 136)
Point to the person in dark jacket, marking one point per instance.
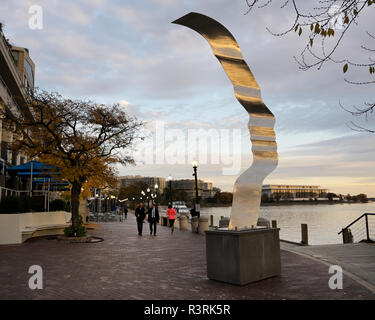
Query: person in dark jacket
point(140, 214)
point(153, 218)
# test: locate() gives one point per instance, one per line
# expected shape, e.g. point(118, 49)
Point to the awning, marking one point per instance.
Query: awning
point(36, 173)
point(37, 166)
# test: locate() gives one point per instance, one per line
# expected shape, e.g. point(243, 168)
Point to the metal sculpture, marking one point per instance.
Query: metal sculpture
point(248, 186)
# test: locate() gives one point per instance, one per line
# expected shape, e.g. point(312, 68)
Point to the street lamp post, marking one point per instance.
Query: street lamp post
point(156, 192)
point(195, 165)
point(169, 179)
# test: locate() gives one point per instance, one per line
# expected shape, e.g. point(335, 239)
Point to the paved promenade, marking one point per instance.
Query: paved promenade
point(357, 260)
point(126, 266)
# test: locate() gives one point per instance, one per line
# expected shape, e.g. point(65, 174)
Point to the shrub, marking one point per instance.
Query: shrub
point(14, 204)
point(69, 232)
point(10, 204)
point(59, 205)
point(26, 204)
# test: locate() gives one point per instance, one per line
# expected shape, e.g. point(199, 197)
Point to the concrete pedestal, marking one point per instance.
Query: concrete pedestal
point(203, 225)
point(242, 257)
point(183, 222)
point(194, 224)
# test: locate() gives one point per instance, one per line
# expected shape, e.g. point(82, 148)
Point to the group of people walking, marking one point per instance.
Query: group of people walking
point(153, 218)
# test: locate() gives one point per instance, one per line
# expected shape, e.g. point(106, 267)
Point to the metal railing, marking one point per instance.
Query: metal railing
point(360, 230)
point(5, 192)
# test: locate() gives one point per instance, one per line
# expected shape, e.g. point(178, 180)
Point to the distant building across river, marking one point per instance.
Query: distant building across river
point(293, 192)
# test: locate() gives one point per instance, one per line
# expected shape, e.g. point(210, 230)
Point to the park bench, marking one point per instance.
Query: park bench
point(43, 224)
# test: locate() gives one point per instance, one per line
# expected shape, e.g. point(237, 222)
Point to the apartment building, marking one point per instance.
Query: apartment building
point(17, 76)
point(126, 181)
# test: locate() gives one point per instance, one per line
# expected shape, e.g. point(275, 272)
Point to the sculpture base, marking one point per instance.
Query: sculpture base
point(242, 257)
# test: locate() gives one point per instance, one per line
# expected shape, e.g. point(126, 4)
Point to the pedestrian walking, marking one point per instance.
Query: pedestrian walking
point(171, 213)
point(153, 218)
point(140, 214)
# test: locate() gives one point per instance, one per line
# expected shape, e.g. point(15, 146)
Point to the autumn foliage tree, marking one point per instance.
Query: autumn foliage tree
point(83, 139)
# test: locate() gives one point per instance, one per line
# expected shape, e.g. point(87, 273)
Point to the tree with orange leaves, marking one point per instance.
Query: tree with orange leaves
point(83, 139)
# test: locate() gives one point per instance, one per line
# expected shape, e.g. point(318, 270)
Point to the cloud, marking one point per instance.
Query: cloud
point(110, 50)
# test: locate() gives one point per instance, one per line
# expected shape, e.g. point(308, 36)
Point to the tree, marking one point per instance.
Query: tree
point(328, 21)
point(177, 195)
point(83, 139)
point(265, 198)
point(362, 197)
point(133, 191)
point(331, 195)
point(223, 197)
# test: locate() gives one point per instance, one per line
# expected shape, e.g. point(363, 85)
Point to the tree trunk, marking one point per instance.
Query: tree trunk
point(75, 193)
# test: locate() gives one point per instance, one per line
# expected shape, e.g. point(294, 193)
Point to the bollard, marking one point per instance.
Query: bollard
point(304, 231)
point(274, 224)
point(194, 224)
point(183, 222)
point(211, 220)
point(203, 225)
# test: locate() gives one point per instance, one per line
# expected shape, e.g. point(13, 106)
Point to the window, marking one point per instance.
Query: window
point(14, 158)
point(15, 55)
point(4, 150)
point(29, 71)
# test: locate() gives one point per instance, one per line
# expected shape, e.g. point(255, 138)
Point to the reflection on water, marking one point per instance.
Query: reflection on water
point(324, 220)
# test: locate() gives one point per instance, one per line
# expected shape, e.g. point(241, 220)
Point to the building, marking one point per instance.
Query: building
point(293, 192)
point(17, 76)
point(208, 190)
point(126, 181)
point(205, 189)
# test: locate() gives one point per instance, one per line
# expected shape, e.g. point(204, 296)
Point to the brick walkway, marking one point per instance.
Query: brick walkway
point(126, 266)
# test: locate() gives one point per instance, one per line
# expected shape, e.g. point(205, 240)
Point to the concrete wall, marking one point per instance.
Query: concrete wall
point(10, 229)
point(12, 225)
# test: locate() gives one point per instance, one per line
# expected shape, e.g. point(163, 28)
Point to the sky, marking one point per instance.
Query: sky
point(128, 52)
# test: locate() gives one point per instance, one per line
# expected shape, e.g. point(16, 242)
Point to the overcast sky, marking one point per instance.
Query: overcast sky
point(129, 52)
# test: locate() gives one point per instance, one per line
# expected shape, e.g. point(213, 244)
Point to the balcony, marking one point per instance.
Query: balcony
point(10, 78)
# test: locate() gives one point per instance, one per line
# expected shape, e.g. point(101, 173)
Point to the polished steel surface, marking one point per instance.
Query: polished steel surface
point(248, 186)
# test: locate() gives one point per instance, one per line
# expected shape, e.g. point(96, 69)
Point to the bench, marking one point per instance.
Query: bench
point(43, 224)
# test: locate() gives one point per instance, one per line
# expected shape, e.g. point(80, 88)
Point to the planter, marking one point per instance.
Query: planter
point(85, 239)
point(242, 257)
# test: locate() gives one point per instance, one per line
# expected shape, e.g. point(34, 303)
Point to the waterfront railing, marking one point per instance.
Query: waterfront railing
point(360, 230)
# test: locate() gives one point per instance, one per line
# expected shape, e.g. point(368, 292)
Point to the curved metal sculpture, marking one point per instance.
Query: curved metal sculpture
point(248, 186)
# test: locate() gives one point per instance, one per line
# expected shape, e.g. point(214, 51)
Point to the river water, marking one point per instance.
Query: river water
point(324, 220)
